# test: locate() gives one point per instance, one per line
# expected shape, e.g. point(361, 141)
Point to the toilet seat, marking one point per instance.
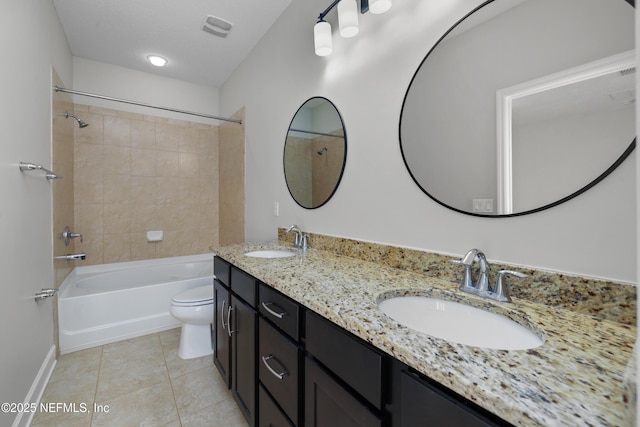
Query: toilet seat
point(202, 295)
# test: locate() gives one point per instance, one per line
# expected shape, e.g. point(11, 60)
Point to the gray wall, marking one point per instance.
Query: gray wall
point(31, 42)
point(366, 78)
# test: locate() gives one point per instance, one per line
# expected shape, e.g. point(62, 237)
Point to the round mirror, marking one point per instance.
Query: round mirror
point(522, 105)
point(315, 152)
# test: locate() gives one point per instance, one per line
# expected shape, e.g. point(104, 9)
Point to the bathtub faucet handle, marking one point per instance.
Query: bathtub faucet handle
point(67, 235)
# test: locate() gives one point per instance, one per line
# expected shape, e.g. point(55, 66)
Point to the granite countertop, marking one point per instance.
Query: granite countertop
point(575, 377)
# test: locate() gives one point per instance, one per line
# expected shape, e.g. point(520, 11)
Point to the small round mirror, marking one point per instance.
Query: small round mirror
point(315, 152)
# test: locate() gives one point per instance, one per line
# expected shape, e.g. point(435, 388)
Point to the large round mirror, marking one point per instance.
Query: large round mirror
point(522, 105)
point(315, 152)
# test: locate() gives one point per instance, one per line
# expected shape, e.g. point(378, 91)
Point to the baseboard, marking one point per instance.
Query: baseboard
point(37, 388)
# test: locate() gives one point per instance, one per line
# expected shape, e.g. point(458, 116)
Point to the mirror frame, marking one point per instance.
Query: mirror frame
point(344, 159)
point(591, 184)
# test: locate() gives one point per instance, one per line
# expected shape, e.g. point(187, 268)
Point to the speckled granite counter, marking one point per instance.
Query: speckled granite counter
point(575, 378)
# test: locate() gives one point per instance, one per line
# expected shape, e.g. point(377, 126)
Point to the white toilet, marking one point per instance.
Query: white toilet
point(194, 308)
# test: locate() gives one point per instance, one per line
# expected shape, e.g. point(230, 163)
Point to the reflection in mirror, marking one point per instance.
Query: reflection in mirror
point(452, 130)
point(315, 151)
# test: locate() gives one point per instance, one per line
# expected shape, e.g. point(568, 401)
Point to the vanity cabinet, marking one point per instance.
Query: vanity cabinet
point(290, 367)
point(236, 333)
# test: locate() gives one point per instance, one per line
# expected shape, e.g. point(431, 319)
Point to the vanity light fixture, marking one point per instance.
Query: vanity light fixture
point(156, 60)
point(347, 19)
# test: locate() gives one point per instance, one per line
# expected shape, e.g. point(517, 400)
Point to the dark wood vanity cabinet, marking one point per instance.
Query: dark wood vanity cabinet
point(235, 346)
point(290, 367)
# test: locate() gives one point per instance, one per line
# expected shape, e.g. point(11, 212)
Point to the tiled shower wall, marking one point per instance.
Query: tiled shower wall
point(62, 164)
point(136, 173)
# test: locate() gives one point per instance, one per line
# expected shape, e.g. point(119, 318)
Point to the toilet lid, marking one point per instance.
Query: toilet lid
point(201, 294)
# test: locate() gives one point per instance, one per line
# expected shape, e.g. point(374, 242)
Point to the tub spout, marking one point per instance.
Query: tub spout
point(71, 257)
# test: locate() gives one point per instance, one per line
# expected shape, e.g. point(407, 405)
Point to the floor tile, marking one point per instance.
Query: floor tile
point(198, 389)
point(143, 382)
point(221, 414)
point(127, 376)
point(150, 406)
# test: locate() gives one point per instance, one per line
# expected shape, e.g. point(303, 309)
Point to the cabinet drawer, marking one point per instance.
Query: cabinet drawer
point(423, 404)
point(278, 360)
point(269, 414)
point(244, 286)
point(280, 310)
point(221, 269)
point(351, 359)
point(328, 404)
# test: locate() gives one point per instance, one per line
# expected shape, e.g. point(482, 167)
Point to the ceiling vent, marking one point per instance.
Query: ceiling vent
point(217, 26)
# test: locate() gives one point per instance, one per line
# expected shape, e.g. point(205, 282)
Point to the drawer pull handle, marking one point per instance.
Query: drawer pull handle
point(280, 315)
point(224, 327)
point(265, 360)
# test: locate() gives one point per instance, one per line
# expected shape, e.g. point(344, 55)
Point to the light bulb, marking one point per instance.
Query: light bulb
point(348, 18)
point(156, 60)
point(322, 38)
point(379, 6)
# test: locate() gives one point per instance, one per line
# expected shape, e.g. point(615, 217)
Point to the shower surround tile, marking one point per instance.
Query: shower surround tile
point(135, 173)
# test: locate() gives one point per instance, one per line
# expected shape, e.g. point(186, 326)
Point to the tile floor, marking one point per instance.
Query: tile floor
point(143, 382)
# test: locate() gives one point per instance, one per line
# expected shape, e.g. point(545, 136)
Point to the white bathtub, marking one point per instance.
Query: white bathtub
point(100, 304)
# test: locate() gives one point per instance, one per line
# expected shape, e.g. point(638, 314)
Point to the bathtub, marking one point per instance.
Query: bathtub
point(100, 304)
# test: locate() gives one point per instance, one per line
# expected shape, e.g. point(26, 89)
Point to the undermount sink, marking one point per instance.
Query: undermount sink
point(277, 253)
point(459, 323)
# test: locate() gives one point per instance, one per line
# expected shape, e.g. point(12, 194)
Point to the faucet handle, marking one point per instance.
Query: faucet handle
point(304, 243)
point(501, 292)
point(467, 282)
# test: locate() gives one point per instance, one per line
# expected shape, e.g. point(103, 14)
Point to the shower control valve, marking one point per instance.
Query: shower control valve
point(67, 235)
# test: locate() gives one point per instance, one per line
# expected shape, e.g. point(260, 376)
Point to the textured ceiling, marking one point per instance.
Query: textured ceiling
point(124, 32)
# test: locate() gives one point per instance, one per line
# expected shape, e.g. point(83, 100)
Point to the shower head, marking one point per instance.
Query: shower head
point(322, 151)
point(81, 123)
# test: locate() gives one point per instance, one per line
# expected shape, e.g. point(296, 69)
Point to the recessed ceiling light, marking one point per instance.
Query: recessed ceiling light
point(156, 60)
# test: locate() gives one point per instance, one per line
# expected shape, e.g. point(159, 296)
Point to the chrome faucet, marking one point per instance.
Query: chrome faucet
point(482, 286)
point(298, 237)
point(301, 239)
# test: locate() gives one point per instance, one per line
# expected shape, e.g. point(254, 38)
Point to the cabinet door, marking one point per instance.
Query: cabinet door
point(243, 363)
point(421, 404)
point(222, 338)
point(328, 404)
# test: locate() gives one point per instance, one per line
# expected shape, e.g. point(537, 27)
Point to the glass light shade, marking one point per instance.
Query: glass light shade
point(322, 38)
point(379, 6)
point(348, 18)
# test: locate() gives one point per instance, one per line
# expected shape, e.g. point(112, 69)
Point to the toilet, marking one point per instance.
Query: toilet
point(194, 308)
